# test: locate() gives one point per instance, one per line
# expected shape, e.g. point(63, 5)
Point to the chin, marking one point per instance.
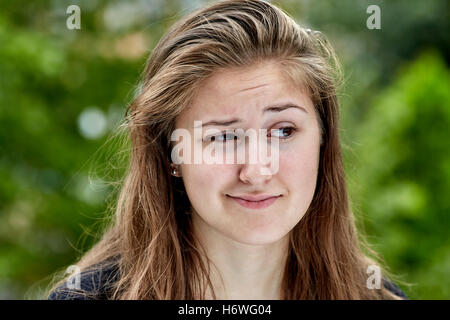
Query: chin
point(258, 237)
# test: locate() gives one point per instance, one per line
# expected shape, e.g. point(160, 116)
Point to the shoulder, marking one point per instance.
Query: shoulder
point(94, 283)
point(393, 288)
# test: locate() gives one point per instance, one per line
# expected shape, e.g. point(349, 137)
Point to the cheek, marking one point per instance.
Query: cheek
point(299, 166)
point(202, 181)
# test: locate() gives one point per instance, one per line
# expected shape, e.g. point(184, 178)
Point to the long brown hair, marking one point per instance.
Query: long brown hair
point(151, 239)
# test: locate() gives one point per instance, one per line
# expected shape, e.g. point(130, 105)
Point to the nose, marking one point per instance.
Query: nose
point(256, 170)
point(256, 174)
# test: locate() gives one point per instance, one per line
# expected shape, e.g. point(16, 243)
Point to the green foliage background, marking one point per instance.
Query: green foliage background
point(56, 182)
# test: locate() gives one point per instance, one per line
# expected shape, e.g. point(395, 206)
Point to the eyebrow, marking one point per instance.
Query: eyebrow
point(272, 108)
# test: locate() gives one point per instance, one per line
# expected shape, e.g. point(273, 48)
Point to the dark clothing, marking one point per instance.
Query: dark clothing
point(392, 287)
point(95, 284)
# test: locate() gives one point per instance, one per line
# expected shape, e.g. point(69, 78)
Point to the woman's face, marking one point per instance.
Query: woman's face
point(216, 191)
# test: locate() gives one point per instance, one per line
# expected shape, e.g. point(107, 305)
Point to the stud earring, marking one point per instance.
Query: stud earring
point(174, 171)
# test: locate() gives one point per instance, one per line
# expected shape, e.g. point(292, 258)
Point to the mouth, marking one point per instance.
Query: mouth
point(255, 202)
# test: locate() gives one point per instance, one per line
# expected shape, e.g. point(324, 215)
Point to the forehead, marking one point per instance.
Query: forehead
point(243, 90)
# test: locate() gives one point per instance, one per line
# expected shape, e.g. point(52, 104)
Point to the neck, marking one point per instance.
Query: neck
point(242, 271)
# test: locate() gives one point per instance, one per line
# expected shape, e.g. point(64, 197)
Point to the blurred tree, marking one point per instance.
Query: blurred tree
point(403, 174)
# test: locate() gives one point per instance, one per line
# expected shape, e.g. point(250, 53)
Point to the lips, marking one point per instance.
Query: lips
point(254, 197)
point(255, 202)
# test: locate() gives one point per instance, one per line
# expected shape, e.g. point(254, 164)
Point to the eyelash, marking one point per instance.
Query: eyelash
point(210, 139)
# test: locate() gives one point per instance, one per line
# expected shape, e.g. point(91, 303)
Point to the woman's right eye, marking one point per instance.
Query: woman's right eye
point(226, 136)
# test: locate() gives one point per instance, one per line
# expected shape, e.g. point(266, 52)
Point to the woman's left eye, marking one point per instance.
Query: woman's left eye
point(284, 132)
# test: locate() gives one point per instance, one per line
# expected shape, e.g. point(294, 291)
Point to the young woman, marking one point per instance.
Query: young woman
point(278, 229)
